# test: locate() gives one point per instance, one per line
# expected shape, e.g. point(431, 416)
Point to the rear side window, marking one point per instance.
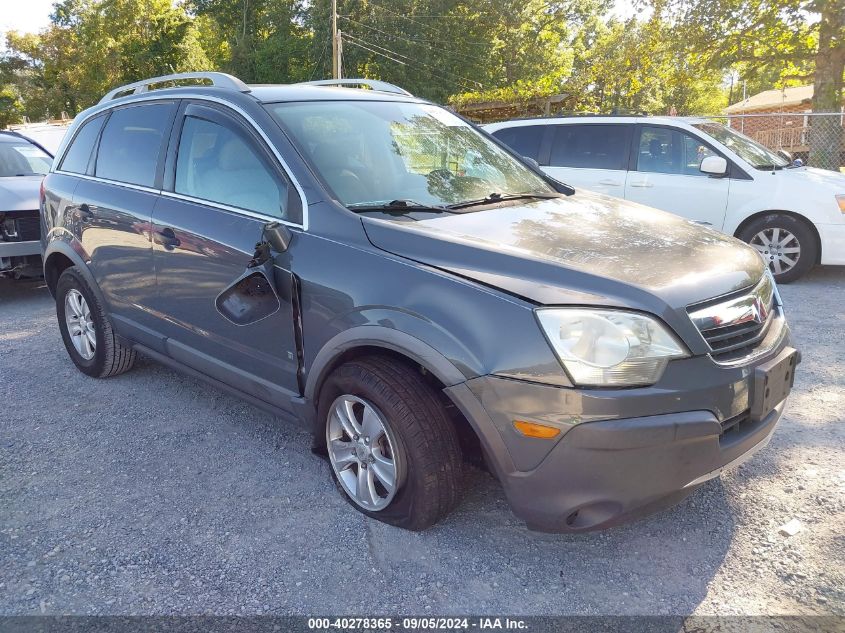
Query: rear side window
point(131, 143)
point(79, 153)
point(590, 146)
point(217, 164)
point(524, 140)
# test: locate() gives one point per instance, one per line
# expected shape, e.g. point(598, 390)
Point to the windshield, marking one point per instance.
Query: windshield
point(19, 157)
point(375, 152)
point(750, 151)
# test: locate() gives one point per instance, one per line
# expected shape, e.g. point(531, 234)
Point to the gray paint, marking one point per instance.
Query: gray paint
point(455, 294)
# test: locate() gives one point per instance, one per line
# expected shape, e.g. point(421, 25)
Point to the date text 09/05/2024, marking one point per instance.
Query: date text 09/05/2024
point(415, 624)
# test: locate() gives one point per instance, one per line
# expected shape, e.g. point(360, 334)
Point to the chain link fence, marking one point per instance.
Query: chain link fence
point(817, 138)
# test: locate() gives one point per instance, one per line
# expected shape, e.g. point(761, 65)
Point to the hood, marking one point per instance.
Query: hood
point(831, 180)
point(20, 193)
point(585, 249)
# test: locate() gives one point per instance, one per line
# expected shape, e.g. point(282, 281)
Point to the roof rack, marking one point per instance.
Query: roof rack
point(374, 84)
point(219, 80)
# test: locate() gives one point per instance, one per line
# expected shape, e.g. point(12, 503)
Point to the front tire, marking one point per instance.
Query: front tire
point(86, 329)
point(786, 243)
point(393, 451)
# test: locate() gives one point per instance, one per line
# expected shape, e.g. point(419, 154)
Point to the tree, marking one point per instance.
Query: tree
point(11, 108)
point(94, 45)
point(826, 133)
point(798, 39)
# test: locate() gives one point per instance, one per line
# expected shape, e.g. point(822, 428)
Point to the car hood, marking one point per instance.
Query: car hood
point(586, 249)
point(819, 177)
point(19, 193)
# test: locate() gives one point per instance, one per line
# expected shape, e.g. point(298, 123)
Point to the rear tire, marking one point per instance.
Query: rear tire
point(86, 329)
point(787, 244)
point(420, 440)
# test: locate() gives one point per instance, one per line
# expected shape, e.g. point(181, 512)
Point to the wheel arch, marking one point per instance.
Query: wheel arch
point(373, 339)
point(798, 216)
point(60, 255)
point(364, 341)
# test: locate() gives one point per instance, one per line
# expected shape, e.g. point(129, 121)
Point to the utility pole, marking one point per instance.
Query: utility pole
point(335, 43)
point(339, 54)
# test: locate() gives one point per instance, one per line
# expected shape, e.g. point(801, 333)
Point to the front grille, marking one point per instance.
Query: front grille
point(735, 341)
point(734, 327)
point(29, 229)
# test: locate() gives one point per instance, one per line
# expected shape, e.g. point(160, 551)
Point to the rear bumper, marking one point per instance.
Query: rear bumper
point(20, 249)
point(602, 472)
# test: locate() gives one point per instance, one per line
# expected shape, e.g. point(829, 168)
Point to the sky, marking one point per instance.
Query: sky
point(27, 16)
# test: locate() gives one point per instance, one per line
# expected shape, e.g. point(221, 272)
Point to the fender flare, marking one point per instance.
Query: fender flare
point(386, 338)
point(64, 248)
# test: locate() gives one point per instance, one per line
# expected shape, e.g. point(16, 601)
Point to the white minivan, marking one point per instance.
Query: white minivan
point(702, 170)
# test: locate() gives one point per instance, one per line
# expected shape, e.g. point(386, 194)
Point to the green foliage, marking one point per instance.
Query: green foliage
point(93, 45)
point(457, 51)
point(11, 108)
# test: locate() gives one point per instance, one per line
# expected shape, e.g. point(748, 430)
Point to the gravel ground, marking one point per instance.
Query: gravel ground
point(151, 493)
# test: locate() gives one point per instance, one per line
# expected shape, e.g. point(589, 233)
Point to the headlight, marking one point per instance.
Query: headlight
point(609, 347)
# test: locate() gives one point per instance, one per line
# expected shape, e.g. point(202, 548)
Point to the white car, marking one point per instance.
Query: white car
point(702, 170)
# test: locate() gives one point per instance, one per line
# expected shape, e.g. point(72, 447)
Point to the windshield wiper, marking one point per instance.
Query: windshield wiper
point(396, 205)
point(500, 197)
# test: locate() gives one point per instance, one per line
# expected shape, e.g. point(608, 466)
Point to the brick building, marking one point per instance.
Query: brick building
point(779, 119)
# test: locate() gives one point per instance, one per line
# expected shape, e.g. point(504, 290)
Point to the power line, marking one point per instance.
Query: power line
point(414, 61)
point(362, 44)
point(319, 61)
point(412, 41)
point(412, 20)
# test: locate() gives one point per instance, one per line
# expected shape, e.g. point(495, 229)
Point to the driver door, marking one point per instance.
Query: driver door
point(223, 186)
point(666, 176)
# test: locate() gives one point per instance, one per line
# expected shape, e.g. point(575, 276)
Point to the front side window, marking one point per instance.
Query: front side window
point(523, 139)
point(19, 157)
point(666, 151)
point(590, 146)
point(131, 143)
point(375, 152)
point(750, 151)
point(78, 154)
point(217, 164)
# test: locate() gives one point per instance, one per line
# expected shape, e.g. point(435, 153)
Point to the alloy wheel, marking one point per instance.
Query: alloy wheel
point(80, 324)
point(778, 247)
point(362, 452)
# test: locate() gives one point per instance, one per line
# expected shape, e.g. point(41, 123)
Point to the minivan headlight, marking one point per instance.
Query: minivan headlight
point(600, 347)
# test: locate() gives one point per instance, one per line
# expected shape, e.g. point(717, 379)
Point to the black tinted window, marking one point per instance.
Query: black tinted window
point(524, 140)
point(79, 153)
point(590, 146)
point(217, 164)
point(131, 142)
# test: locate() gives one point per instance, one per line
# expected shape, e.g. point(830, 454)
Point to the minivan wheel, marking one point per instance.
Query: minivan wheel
point(393, 451)
point(86, 330)
point(785, 243)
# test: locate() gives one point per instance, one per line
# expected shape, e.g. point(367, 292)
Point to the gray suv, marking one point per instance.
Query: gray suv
point(416, 294)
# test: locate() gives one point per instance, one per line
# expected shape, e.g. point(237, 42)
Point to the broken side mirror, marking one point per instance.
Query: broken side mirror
point(253, 296)
point(278, 236)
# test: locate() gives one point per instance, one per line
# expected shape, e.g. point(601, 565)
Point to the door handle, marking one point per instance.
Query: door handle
point(642, 183)
point(611, 183)
point(167, 238)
